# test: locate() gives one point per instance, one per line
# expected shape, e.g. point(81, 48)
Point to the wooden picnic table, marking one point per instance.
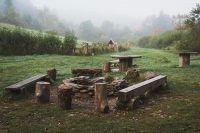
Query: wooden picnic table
point(125, 61)
point(184, 58)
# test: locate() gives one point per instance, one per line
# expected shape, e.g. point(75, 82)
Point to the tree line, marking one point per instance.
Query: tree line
point(185, 37)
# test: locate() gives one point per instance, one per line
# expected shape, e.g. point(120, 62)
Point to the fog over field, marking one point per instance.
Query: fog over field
point(114, 10)
point(98, 20)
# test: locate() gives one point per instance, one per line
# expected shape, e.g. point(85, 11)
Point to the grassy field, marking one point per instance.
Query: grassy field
point(169, 111)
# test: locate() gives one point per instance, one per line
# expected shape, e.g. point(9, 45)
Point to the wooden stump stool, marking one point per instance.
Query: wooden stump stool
point(184, 58)
point(65, 97)
point(42, 92)
point(106, 67)
point(52, 73)
point(101, 97)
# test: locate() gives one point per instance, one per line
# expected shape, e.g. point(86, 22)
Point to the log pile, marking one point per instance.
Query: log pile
point(117, 85)
point(84, 85)
point(87, 72)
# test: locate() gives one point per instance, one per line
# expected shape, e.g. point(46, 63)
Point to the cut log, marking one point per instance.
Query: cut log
point(106, 67)
point(87, 72)
point(184, 60)
point(52, 73)
point(42, 92)
point(98, 80)
point(65, 97)
point(101, 98)
point(108, 78)
point(75, 86)
point(82, 80)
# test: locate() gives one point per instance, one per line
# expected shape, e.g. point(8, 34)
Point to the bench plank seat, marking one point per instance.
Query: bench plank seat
point(25, 83)
point(140, 88)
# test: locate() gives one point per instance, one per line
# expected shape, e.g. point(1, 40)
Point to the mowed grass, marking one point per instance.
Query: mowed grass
point(169, 111)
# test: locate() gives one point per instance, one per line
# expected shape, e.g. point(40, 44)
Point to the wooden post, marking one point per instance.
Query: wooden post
point(123, 65)
point(101, 97)
point(42, 91)
point(106, 67)
point(65, 98)
point(52, 73)
point(184, 59)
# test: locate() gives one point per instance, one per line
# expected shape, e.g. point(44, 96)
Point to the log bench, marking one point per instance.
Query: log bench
point(20, 86)
point(140, 89)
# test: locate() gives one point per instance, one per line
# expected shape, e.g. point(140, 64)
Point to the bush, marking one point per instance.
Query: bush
point(70, 42)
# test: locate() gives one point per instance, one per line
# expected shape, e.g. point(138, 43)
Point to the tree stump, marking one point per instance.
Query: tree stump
point(65, 97)
point(184, 59)
point(101, 97)
point(42, 92)
point(106, 67)
point(123, 65)
point(52, 73)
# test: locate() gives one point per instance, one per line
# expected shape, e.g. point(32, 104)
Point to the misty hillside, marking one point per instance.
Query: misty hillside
point(24, 13)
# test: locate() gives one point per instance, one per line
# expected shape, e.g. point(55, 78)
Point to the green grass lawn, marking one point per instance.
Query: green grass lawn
point(170, 111)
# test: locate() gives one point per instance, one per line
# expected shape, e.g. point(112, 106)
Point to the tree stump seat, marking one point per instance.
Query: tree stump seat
point(184, 58)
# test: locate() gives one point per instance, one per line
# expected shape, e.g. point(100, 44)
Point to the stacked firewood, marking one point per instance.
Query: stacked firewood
point(85, 85)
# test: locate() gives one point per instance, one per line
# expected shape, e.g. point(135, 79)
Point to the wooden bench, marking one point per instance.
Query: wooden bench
point(25, 83)
point(141, 88)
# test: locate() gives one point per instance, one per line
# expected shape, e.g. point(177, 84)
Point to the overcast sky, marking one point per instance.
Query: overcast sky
point(107, 8)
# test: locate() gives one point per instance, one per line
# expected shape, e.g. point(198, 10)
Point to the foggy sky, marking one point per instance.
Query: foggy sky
point(112, 9)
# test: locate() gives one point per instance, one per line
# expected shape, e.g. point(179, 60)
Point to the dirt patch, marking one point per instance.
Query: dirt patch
point(81, 101)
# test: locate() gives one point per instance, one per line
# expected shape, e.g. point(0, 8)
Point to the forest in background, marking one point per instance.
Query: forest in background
point(184, 37)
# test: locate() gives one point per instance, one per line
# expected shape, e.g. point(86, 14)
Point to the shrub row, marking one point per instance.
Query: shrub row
point(18, 41)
